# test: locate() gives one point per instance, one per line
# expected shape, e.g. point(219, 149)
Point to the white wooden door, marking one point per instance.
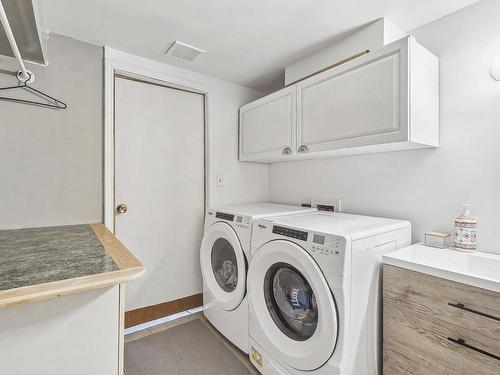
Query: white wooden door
point(160, 177)
point(267, 127)
point(360, 103)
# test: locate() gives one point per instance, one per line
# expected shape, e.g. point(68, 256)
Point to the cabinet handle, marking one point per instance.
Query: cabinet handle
point(287, 151)
point(302, 148)
point(463, 343)
point(461, 306)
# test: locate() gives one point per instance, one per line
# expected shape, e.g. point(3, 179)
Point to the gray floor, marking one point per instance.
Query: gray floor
point(190, 348)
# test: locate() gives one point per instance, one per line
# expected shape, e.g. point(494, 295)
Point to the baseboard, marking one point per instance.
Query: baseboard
point(148, 313)
point(158, 325)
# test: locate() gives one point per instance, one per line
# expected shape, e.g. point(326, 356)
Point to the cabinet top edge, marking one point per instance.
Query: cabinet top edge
point(447, 264)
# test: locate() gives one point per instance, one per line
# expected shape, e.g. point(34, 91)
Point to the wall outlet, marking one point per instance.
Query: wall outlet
point(219, 180)
point(327, 204)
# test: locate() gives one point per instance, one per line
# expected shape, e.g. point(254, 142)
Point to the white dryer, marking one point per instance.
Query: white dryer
point(224, 258)
point(314, 292)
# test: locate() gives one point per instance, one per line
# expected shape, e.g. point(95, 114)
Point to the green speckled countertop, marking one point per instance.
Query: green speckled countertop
point(41, 255)
point(37, 264)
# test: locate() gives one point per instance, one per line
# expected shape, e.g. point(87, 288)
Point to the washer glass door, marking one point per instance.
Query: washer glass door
point(223, 265)
point(291, 301)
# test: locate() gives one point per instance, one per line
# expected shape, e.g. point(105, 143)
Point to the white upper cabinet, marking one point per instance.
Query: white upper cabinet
point(355, 106)
point(386, 100)
point(267, 127)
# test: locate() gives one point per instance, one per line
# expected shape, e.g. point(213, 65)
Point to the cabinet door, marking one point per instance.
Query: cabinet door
point(267, 127)
point(360, 103)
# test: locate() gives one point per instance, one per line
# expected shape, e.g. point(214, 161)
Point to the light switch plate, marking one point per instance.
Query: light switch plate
point(219, 180)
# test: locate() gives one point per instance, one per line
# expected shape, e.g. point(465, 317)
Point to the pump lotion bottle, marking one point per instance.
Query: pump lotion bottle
point(465, 231)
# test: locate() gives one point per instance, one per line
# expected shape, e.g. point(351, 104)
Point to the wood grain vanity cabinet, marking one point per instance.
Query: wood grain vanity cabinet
point(434, 326)
point(385, 100)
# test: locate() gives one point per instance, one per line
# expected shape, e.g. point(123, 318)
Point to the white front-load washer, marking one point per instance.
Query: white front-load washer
point(224, 258)
point(314, 292)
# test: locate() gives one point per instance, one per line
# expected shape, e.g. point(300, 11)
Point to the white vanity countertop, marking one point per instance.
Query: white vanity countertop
point(477, 269)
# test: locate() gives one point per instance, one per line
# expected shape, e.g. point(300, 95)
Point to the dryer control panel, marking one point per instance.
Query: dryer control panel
point(224, 216)
point(244, 222)
point(237, 221)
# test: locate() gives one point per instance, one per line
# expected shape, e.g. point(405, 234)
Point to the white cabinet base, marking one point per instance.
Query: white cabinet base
point(77, 334)
point(369, 149)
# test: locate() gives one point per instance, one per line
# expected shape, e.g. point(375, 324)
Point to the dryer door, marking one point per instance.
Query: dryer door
point(293, 305)
point(223, 265)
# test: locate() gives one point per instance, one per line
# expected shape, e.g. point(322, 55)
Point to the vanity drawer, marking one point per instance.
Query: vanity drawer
point(425, 320)
point(453, 304)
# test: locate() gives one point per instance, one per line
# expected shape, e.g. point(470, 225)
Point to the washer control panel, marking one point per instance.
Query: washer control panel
point(289, 232)
point(330, 251)
point(327, 245)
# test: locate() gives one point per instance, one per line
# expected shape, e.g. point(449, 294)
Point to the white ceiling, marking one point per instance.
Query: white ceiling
point(249, 42)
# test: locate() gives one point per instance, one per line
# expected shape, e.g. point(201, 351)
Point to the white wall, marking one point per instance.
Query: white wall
point(427, 187)
point(51, 161)
point(376, 35)
point(243, 182)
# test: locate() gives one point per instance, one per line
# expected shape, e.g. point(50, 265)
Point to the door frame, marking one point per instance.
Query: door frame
point(118, 63)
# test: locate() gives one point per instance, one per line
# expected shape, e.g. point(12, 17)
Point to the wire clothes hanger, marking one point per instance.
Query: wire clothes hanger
point(50, 102)
point(23, 75)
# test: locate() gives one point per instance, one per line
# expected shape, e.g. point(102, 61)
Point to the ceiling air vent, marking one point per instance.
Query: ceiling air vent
point(183, 51)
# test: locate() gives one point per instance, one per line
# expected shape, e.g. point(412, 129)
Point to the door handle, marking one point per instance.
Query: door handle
point(302, 148)
point(121, 208)
point(287, 151)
